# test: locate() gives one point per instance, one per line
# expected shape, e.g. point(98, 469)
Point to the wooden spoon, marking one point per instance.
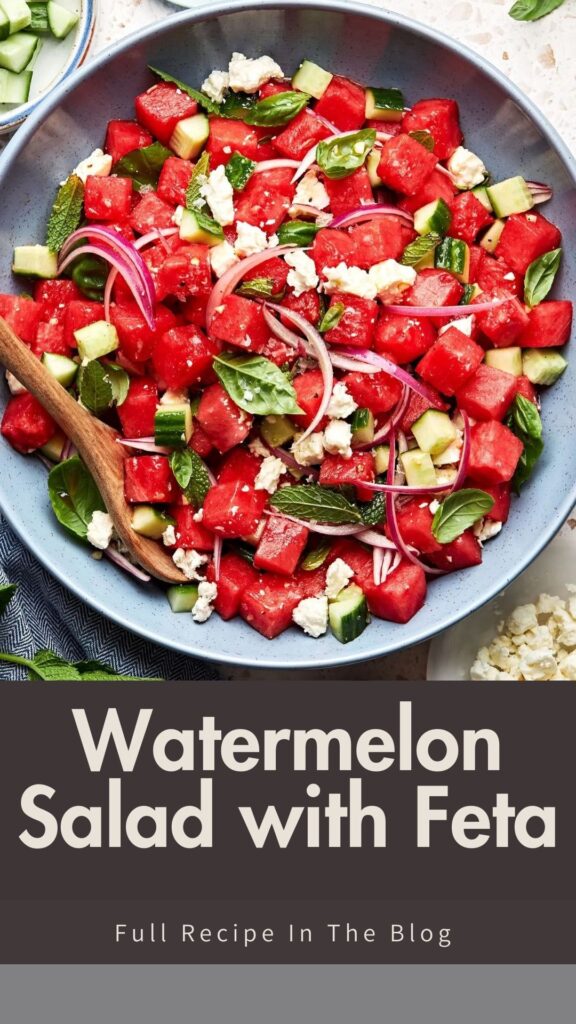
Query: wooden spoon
point(97, 445)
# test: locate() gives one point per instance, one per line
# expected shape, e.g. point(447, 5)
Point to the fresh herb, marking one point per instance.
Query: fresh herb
point(277, 110)
point(95, 387)
point(191, 474)
point(66, 212)
point(420, 248)
point(373, 512)
point(143, 166)
point(245, 552)
point(316, 557)
point(424, 138)
point(49, 667)
point(257, 288)
point(342, 156)
point(7, 591)
point(236, 104)
point(297, 232)
point(332, 317)
point(320, 504)
point(256, 385)
point(532, 10)
point(198, 179)
point(239, 170)
point(458, 512)
point(540, 275)
point(524, 420)
point(74, 496)
point(203, 101)
point(89, 274)
point(209, 225)
point(120, 383)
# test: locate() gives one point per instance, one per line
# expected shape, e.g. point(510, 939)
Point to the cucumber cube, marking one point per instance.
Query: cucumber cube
point(277, 430)
point(510, 196)
point(96, 340)
point(348, 614)
point(173, 425)
point(189, 136)
point(481, 193)
point(17, 51)
point(149, 521)
point(60, 20)
point(372, 162)
point(434, 218)
point(363, 426)
point(507, 359)
point(419, 468)
point(543, 366)
point(14, 88)
point(54, 448)
point(490, 239)
point(62, 368)
point(384, 105)
point(4, 25)
point(17, 13)
point(434, 431)
point(454, 255)
point(35, 261)
point(197, 227)
point(381, 458)
point(311, 78)
point(183, 598)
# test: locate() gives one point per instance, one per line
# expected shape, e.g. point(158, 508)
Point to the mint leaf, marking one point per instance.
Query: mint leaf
point(143, 166)
point(239, 170)
point(66, 212)
point(74, 496)
point(277, 110)
point(419, 248)
point(97, 671)
point(540, 275)
point(203, 101)
point(313, 502)
point(424, 138)
point(95, 387)
point(532, 10)
point(316, 557)
point(191, 475)
point(342, 156)
point(236, 104)
point(194, 200)
point(48, 666)
point(297, 232)
point(458, 512)
point(373, 512)
point(257, 288)
point(119, 381)
point(7, 591)
point(89, 274)
point(256, 385)
point(332, 317)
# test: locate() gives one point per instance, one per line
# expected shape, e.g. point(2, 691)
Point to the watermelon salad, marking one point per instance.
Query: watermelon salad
point(321, 329)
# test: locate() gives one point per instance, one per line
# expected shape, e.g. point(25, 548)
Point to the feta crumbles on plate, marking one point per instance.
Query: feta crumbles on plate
point(219, 194)
point(204, 606)
point(189, 562)
point(465, 168)
point(311, 615)
point(302, 275)
point(100, 530)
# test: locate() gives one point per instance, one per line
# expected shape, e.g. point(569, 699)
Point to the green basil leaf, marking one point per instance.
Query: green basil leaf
point(340, 157)
point(181, 466)
point(119, 381)
point(277, 110)
point(74, 496)
point(236, 104)
point(316, 557)
point(66, 212)
point(257, 288)
point(424, 138)
point(540, 275)
point(320, 504)
point(533, 448)
point(89, 274)
point(532, 10)
point(256, 385)
point(194, 200)
point(332, 317)
point(143, 166)
point(297, 232)
point(524, 420)
point(239, 170)
point(373, 512)
point(95, 387)
point(203, 101)
point(458, 512)
point(419, 248)
point(7, 591)
point(191, 474)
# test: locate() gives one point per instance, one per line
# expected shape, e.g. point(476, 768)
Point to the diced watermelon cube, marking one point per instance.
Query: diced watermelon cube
point(189, 534)
point(494, 453)
point(309, 388)
point(343, 103)
point(136, 340)
point(123, 137)
point(174, 180)
point(148, 478)
point(462, 553)
point(469, 217)
point(240, 323)
point(526, 388)
point(348, 193)
point(400, 596)
point(403, 338)
point(136, 414)
point(332, 247)
point(280, 546)
point(503, 324)
point(80, 313)
point(357, 323)
point(417, 406)
point(239, 465)
point(488, 394)
point(276, 270)
point(495, 276)
point(161, 107)
point(307, 304)
point(434, 287)
point(451, 361)
point(183, 356)
point(50, 337)
point(300, 135)
point(194, 310)
point(151, 212)
point(228, 136)
point(415, 526)
point(526, 236)
point(336, 471)
point(436, 186)
point(26, 424)
point(440, 118)
point(377, 240)
point(280, 352)
point(549, 325)
point(357, 556)
point(233, 509)
point(224, 423)
point(107, 198)
point(236, 576)
point(405, 165)
point(265, 200)
point(267, 604)
point(377, 391)
point(200, 442)
point(54, 297)
point(21, 314)
point(185, 273)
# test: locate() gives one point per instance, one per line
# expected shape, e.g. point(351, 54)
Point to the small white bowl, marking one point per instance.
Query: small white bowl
point(452, 652)
point(57, 59)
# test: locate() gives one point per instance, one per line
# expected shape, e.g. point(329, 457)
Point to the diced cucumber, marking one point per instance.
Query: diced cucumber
point(312, 78)
point(35, 261)
point(39, 18)
point(434, 431)
point(419, 468)
point(363, 426)
point(543, 366)
point(510, 196)
point(277, 430)
point(173, 425)
point(189, 136)
point(384, 105)
point(183, 599)
point(198, 227)
point(348, 614)
point(54, 448)
point(60, 20)
point(507, 359)
point(372, 164)
point(14, 88)
point(17, 51)
point(454, 255)
point(471, 291)
point(434, 218)
point(18, 14)
point(481, 193)
point(4, 25)
point(381, 458)
point(490, 239)
point(149, 521)
point(96, 340)
point(62, 368)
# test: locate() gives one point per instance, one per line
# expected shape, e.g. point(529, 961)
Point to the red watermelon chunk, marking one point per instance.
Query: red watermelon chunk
point(22, 314)
point(495, 276)
point(400, 596)
point(494, 453)
point(469, 217)
point(26, 424)
point(336, 471)
point(417, 406)
point(300, 135)
point(376, 241)
point(462, 553)
point(452, 359)
point(526, 236)
point(148, 478)
point(236, 576)
point(136, 414)
point(151, 212)
point(233, 509)
point(80, 313)
point(189, 534)
point(229, 136)
point(436, 186)
point(281, 546)
point(240, 322)
point(332, 247)
point(135, 338)
point(503, 324)
point(183, 356)
point(348, 193)
point(239, 464)
point(501, 494)
point(307, 304)
point(221, 420)
point(123, 137)
point(549, 325)
point(377, 391)
point(185, 274)
point(343, 103)
point(107, 199)
point(405, 165)
point(403, 338)
point(54, 297)
point(526, 388)
point(356, 325)
point(434, 287)
point(309, 388)
point(440, 118)
point(267, 604)
point(488, 394)
point(415, 526)
point(174, 180)
point(50, 337)
point(160, 108)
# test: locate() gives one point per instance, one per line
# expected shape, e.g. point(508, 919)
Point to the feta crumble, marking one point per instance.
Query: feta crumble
point(169, 537)
point(486, 529)
point(189, 562)
point(204, 606)
point(219, 194)
point(465, 324)
point(258, 448)
point(247, 74)
point(352, 280)
point(97, 165)
point(302, 277)
point(100, 530)
point(465, 168)
point(310, 451)
point(341, 404)
point(222, 257)
point(338, 438)
point(269, 474)
point(249, 240)
point(391, 279)
point(311, 615)
point(311, 192)
point(338, 576)
point(216, 85)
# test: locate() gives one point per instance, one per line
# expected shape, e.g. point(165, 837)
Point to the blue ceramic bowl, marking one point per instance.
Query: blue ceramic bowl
point(371, 46)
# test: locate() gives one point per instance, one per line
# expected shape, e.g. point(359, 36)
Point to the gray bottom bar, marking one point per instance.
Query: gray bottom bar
point(287, 995)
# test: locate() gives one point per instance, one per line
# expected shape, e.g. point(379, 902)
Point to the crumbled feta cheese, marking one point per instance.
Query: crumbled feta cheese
point(169, 537)
point(391, 279)
point(249, 240)
point(538, 665)
point(198, 516)
point(302, 277)
point(177, 216)
point(568, 666)
point(434, 506)
point(100, 530)
point(310, 451)
point(219, 195)
point(215, 85)
point(258, 448)
point(97, 165)
point(189, 562)
point(485, 529)
point(464, 324)
point(247, 74)
point(546, 604)
point(269, 474)
point(14, 385)
point(522, 619)
point(311, 615)
point(351, 280)
point(204, 606)
point(175, 396)
point(273, 241)
point(222, 257)
point(338, 438)
point(338, 576)
point(465, 168)
point(341, 403)
point(311, 192)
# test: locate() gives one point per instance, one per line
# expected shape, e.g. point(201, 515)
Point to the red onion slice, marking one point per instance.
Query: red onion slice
point(401, 489)
point(275, 165)
point(218, 542)
point(377, 564)
point(125, 563)
point(445, 311)
point(126, 268)
point(309, 158)
point(368, 213)
point(376, 540)
point(326, 529)
point(392, 519)
point(119, 245)
point(365, 355)
point(320, 352)
point(327, 124)
point(143, 444)
point(390, 424)
point(232, 277)
point(291, 463)
point(541, 192)
point(465, 454)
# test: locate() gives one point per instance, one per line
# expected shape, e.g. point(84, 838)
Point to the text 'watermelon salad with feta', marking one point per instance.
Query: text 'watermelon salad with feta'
point(320, 328)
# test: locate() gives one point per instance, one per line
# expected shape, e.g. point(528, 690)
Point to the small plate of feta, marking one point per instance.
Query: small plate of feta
point(527, 633)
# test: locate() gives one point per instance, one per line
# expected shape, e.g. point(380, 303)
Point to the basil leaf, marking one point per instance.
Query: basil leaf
point(340, 157)
point(181, 466)
point(66, 212)
point(119, 381)
point(316, 557)
point(532, 10)
point(424, 138)
point(540, 275)
point(297, 232)
point(524, 421)
point(74, 496)
point(458, 512)
point(320, 504)
point(373, 512)
point(89, 274)
point(256, 385)
point(239, 170)
point(277, 110)
point(194, 199)
point(7, 591)
point(332, 317)
point(236, 104)
point(419, 248)
point(257, 288)
point(143, 166)
point(191, 474)
point(95, 387)
point(203, 101)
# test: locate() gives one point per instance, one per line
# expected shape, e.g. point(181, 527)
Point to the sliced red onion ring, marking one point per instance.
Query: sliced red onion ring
point(274, 165)
point(125, 563)
point(392, 519)
point(383, 136)
point(156, 235)
point(45, 462)
point(465, 454)
point(376, 540)
point(320, 352)
point(326, 529)
point(368, 213)
point(126, 268)
point(284, 333)
point(291, 463)
point(327, 124)
point(218, 542)
point(232, 277)
point(365, 355)
point(119, 245)
point(404, 489)
point(143, 444)
point(541, 192)
point(445, 311)
point(68, 450)
point(377, 565)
